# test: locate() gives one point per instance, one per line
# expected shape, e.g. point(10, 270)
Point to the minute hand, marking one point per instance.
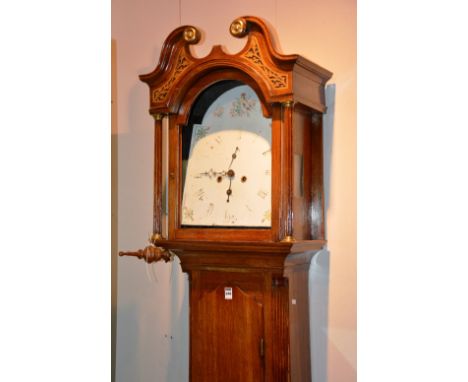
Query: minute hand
point(233, 156)
point(231, 174)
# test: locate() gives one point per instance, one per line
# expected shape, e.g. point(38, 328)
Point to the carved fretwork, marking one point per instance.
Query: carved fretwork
point(160, 93)
point(277, 80)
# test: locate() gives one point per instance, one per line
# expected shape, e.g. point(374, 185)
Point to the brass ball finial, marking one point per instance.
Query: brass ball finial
point(191, 35)
point(238, 27)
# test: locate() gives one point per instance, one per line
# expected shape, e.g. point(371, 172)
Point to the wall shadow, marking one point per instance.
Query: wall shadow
point(328, 131)
point(178, 367)
point(130, 354)
point(318, 298)
point(319, 272)
point(114, 204)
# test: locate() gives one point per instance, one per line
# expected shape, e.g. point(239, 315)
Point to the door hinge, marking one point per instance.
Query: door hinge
point(262, 347)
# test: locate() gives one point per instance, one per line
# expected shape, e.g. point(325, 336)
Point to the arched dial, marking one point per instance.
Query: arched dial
point(228, 170)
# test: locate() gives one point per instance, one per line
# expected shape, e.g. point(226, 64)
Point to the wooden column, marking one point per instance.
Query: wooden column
point(157, 181)
point(286, 168)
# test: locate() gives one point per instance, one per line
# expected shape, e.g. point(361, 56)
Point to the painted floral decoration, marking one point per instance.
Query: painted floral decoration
point(202, 132)
point(218, 112)
point(242, 106)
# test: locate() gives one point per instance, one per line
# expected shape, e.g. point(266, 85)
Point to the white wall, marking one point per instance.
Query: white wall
point(152, 322)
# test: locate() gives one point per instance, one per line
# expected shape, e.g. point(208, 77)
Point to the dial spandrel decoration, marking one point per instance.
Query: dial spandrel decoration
point(227, 181)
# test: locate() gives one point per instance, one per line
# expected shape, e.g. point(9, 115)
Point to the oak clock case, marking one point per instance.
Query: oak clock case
point(245, 199)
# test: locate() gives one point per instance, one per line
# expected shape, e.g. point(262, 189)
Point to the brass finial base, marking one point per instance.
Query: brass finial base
point(191, 35)
point(288, 239)
point(158, 116)
point(238, 27)
point(155, 237)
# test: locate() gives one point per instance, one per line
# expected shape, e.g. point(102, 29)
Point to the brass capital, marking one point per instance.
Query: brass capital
point(155, 237)
point(288, 239)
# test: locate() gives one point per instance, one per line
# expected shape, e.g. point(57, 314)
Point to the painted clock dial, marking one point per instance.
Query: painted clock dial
point(227, 176)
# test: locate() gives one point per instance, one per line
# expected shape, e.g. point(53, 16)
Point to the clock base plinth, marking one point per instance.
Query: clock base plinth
point(249, 309)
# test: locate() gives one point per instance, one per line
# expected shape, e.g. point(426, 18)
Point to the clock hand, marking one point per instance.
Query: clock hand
point(230, 173)
point(219, 174)
point(234, 156)
point(211, 173)
point(229, 191)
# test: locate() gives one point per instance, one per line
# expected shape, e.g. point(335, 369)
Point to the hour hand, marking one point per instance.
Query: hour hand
point(211, 174)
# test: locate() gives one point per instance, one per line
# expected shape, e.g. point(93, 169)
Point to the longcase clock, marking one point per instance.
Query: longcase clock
point(245, 208)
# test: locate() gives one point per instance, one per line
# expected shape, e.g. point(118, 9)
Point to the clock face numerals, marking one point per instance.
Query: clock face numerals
point(228, 176)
